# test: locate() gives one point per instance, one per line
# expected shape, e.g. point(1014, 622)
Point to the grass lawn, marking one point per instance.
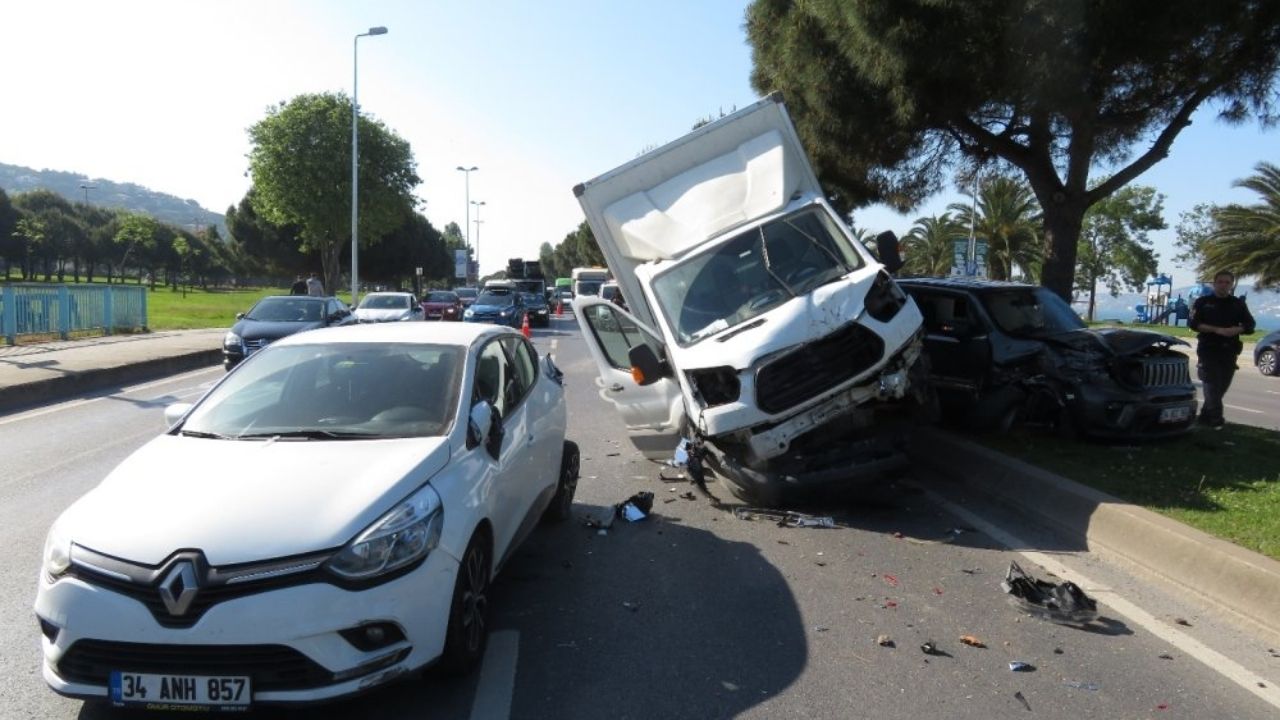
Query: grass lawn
point(1224, 482)
point(169, 310)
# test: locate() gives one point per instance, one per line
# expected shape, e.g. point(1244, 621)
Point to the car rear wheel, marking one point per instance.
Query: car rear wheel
point(561, 505)
point(1267, 362)
point(468, 632)
point(999, 411)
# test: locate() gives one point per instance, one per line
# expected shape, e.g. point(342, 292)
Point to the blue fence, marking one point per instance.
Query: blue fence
point(31, 309)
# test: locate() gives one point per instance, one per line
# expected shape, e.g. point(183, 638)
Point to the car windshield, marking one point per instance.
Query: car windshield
point(334, 392)
point(1031, 312)
point(442, 297)
point(384, 302)
point(753, 273)
point(287, 309)
point(589, 287)
point(490, 297)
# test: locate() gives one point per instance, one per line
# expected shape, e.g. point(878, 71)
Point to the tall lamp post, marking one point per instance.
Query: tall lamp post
point(86, 187)
point(355, 157)
point(479, 204)
point(466, 227)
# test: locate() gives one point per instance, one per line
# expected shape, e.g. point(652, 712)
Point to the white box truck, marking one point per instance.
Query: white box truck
point(756, 326)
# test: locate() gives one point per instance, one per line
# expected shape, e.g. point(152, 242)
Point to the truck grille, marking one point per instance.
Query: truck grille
point(1165, 372)
point(272, 667)
point(809, 371)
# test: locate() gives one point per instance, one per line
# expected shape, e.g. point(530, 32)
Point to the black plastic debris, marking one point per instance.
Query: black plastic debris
point(784, 518)
point(635, 508)
point(1022, 699)
point(1019, 666)
point(1064, 602)
point(929, 648)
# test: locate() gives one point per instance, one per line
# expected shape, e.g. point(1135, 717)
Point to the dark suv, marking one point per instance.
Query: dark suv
point(1002, 352)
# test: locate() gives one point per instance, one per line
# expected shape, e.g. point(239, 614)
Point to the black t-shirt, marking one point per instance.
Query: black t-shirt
point(1229, 311)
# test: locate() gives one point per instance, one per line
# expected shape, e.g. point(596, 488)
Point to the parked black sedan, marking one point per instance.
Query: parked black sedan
point(276, 316)
point(1266, 354)
point(1002, 353)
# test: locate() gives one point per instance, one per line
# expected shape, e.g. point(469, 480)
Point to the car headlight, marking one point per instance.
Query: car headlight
point(57, 552)
point(401, 537)
point(231, 340)
point(469, 313)
point(504, 313)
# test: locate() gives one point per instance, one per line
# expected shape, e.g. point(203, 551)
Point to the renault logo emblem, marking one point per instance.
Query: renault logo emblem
point(179, 587)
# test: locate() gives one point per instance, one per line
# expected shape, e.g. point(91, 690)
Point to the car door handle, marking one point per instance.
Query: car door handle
point(616, 388)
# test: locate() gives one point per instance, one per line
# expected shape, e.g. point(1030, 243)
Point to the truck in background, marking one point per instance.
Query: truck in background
point(527, 276)
point(587, 281)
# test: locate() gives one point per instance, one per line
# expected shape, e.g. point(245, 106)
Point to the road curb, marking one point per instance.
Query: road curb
point(1227, 575)
point(74, 383)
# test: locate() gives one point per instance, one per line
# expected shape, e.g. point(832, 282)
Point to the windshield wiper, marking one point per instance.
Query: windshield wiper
point(203, 434)
point(308, 434)
point(768, 266)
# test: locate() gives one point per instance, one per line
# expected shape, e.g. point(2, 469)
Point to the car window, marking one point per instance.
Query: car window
point(525, 364)
point(945, 313)
point(442, 297)
point(617, 334)
point(286, 310)
point(492, 375)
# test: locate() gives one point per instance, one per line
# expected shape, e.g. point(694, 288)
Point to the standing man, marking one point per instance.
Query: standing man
point(1220, 319)
point(314, 287)
point(299, 286)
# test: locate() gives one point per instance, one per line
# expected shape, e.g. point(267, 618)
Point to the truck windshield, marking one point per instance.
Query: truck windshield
point(753, 272)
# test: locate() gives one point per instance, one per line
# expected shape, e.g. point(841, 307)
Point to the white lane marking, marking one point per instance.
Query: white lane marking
point(497, 677)
point(1214, 660)
point(1245, 409)
point(70, 404)
point(553, 344)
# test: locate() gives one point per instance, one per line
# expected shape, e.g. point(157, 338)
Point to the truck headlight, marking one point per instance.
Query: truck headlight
point(885, 298)
point(400, 538)
point(716, 386)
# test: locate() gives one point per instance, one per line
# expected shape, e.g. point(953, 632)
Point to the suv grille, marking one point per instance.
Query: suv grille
point(272, 667)
point(1165, 372)
point(805, 373)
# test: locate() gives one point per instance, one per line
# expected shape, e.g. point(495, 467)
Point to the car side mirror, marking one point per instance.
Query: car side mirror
point(175, 412)
point(646, 367)
point(484, 427)
point(239, 316)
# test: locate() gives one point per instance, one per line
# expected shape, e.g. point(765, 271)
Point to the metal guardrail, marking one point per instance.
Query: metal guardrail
point(37, 309)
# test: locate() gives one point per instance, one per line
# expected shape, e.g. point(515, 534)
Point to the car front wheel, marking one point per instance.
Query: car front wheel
point(468, 631)
point(562, 504)
point(1267, 362)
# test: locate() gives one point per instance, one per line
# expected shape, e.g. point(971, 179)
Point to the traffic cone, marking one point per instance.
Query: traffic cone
point(559, 308)
point(524, 327)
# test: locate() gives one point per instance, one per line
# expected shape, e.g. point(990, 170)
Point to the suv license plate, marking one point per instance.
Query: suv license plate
point(1175, 414)
point(205, 691)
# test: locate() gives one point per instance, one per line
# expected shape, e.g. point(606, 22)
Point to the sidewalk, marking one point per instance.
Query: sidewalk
point(53, 371)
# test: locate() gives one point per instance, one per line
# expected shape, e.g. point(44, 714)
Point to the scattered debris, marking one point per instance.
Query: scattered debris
point(1064, 602)
point(1182, 621)
point(1165, 656)
point(944, 540)
point(635, 508)
point(937, 591)
point(820, 628)
point(669, 500)
point(928, 648)
point(603, 522)
point(890, 604)
point(898, 535)
point(1162, 706)
point(893, 581)
point(970, 571)
point(1022, 699)
point(1091, 687)
point(785, 518)
point(688, 495)
point(819, 563)
point(972, 641)
point(1057, 651)
point(1262, 684)
point(1019, 666)
point(612, 454)
point(885, 641)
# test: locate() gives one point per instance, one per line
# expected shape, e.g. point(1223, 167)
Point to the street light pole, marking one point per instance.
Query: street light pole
point(355, 158)
point(466, 227)
point(86, 187)
point(478, 204)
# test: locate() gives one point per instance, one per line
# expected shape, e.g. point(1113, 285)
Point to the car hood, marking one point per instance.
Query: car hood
point(243, 501)
point(370, 315)
point(1116, 342)
point(801, 319)
point(260, 329)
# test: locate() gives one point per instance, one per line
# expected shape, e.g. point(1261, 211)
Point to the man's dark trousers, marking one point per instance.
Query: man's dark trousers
point(1215, 376)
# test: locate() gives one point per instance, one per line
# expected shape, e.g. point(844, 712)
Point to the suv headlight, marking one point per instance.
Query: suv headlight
point(401, 537)
point(231, 340)
point(57, 552)
point(885, 298)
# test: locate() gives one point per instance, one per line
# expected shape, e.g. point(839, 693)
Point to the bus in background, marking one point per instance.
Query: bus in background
point(587, 281)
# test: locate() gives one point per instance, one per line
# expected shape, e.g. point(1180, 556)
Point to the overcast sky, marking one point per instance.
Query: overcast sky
point(539, 95)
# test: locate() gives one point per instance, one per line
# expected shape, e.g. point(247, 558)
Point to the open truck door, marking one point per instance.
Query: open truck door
point(650, 404)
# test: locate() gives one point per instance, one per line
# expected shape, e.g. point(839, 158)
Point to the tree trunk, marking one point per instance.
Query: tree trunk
point(331, 264)
point(1062, 222)
point(1093, 294)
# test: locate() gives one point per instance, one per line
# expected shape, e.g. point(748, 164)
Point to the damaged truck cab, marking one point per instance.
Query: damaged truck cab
point(756, 326)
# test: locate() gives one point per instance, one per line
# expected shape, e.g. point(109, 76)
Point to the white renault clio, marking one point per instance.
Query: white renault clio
point(325, 519)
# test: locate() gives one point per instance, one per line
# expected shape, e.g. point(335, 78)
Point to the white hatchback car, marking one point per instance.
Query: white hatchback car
point(325, 519)
point(389, 307)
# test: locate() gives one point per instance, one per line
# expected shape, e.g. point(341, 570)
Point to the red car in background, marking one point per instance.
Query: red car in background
point(442, 305)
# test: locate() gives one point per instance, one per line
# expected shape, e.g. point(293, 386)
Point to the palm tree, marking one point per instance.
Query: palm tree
point(1007, 219)
point(929, 246)
point(1246, 239)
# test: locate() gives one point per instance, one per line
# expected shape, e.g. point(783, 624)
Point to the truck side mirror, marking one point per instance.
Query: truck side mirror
point(887, 248)
point(646, 367)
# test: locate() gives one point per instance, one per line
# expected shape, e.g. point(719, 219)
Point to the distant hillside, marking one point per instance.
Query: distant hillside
point(106, 193)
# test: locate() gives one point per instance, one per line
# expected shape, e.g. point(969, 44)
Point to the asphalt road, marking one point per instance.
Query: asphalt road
point(694, 613)
point(1254, 398)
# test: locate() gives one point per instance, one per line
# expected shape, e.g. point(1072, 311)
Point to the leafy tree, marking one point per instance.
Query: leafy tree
point(1114, 247)
point(889, 94)
point(929, 247)
point(136, 232)
point(301, 167)
point(10, 246)
point(30, 232)
point(1246, 238)
point(1192, 232)
point(277, 248)
point(1007, 217)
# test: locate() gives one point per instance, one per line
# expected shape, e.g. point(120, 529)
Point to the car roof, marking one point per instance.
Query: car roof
point(460, 334)
point(964, 283)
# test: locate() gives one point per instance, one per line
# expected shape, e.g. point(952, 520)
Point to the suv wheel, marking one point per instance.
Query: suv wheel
point(1267, 362)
